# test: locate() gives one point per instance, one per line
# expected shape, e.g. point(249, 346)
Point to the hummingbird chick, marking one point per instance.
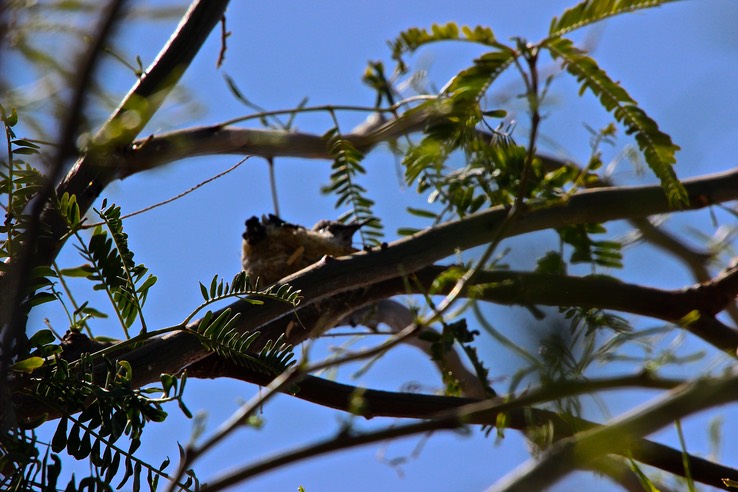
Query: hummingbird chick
point(273, 248)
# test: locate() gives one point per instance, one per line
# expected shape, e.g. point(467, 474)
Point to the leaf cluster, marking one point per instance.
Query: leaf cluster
point(657, 147)
point(111, 266)
point(218, 334)
point(109, 411)
point(20, 181)
point(442, 343)
point(345, 170)
point(605, 253)
point(460, 116)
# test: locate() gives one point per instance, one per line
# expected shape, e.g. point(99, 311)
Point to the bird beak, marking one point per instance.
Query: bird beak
point(359, 225)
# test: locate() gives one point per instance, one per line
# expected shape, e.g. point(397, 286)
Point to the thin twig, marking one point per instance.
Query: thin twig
point(176, 197)
point(327, 108)
point(291, 376)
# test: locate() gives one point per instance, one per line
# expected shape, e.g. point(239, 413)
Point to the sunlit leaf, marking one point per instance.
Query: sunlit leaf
point(657, 147)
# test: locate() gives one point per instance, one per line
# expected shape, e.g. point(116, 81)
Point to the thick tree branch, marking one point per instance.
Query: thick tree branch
point(331, 277)
point(172, 353)
point(675, 306)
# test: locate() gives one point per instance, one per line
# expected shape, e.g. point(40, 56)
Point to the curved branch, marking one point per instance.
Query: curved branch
point(334, 276)
point(449, 412)
point(99, 166)
point(618, 436)
point(396, 317)
point(158, 150)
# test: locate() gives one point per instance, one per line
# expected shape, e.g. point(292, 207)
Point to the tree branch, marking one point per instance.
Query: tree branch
point(618, 436)
point(99, 166)
point(15, 276)
point(222, 139)
point(530, 289)
point(172, 353)
point(333, 276)
point(450, 412)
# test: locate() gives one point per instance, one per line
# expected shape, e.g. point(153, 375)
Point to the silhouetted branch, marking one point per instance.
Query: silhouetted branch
point(618, 436)
point(450, 412)
point(15, 275)
point(99, 166)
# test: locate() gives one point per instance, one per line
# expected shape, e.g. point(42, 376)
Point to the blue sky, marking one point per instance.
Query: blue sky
point(677, 61)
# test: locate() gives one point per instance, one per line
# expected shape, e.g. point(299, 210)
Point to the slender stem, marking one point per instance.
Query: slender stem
point(273, 185)
point(68, 291)
point(329, 108)
point(287, 378)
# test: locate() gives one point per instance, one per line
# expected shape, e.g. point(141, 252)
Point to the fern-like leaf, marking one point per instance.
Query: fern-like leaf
point(19, 184)
point(658, 149)
point(113, 267)
point(69, 209)
point(457, 112)
point(412, 39)
point(345, 170)
point(277, 354)
point(469, 84)
point(241, 287)
point(590, 11)
point(220, 289)
point(218, 334)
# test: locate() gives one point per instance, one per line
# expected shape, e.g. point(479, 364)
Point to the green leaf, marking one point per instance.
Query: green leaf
point(590, 11)
point(41, 298)
point(22, 142)
point(12, 119)
point(41, 338)
point(43, 271)
point(93, 312)
point(657, 147)
point(125, 370)
point(495, 113)
point(413, 38)
point(25, 151)
point(148, 283)
point(28, 365)
point(407, 231)
point(421, 213)
point(473, 81)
